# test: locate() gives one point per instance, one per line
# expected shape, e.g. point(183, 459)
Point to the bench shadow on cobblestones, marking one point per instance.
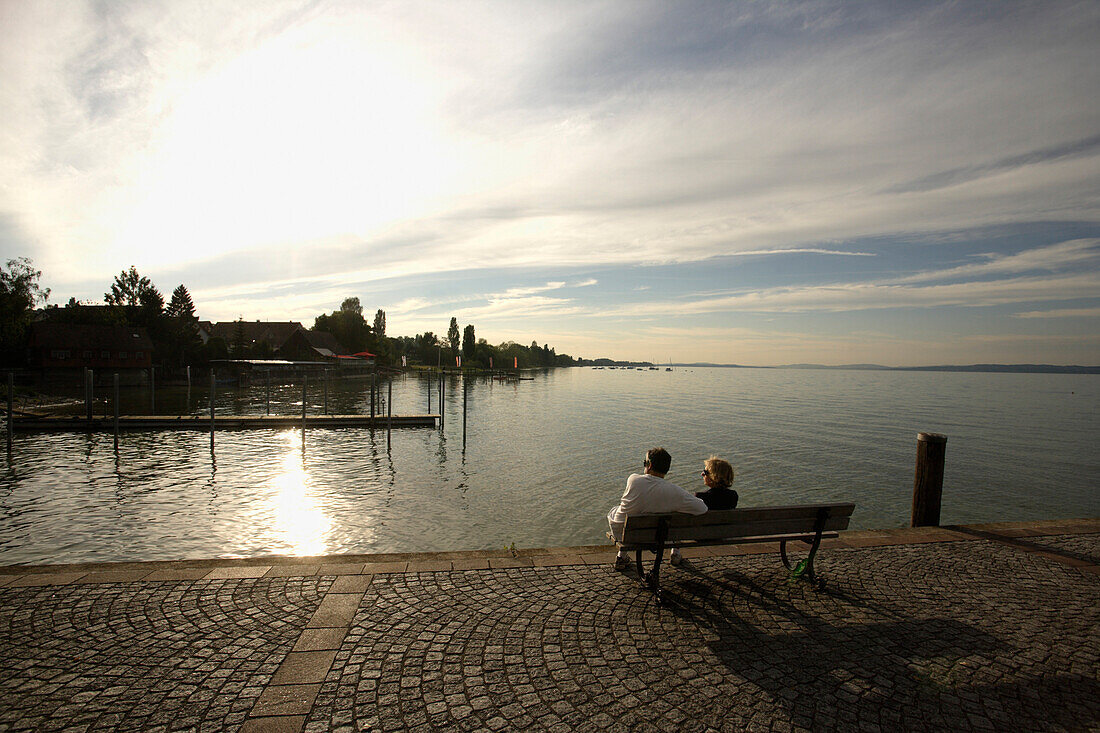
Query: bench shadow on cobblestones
point(911, 672)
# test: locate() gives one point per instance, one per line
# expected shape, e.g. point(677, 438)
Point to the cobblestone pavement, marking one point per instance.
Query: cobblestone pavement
point(989, 628)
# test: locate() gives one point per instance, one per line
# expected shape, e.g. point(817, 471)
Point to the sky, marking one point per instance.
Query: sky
point(750, 182)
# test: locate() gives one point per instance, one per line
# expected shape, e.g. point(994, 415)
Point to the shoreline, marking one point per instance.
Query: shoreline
point(457, 560)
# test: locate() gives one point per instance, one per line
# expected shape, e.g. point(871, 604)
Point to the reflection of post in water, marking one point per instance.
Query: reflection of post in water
point(11, 407)
point(116, 411)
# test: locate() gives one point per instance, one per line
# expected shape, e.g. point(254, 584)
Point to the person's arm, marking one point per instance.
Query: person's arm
point(692, 504)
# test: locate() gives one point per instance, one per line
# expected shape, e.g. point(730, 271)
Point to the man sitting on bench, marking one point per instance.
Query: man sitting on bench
point(650, 493)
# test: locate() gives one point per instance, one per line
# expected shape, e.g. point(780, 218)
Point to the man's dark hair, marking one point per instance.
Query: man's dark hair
point(659, 460)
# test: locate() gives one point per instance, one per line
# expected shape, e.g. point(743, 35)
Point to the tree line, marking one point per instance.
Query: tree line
point(133, 300)
point(350, 327)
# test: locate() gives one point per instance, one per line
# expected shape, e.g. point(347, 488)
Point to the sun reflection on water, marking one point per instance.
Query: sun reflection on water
point(299, 519)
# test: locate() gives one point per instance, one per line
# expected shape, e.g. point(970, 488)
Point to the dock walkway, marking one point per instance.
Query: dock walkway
point(990, 627)
point(221, 422)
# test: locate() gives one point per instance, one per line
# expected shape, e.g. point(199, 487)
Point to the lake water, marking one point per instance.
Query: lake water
point(543, 461)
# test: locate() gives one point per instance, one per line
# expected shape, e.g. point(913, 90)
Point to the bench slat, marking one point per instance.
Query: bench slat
point(807, 537)
point(747, 515)
point(731, 523)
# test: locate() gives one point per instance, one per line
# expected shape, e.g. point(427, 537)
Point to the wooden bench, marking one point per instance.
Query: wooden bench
point(808, 523)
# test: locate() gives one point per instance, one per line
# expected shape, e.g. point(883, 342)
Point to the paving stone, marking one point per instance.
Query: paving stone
point(257, 571)
point(336, 610)
point(341, 569)
point(285, 700)
point(292, 571)
point(351, 584)
point(304, 667)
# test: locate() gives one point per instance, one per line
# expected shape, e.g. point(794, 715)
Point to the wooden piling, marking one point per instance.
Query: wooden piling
point(211, 408)
point(89, 392)
point(389, 414)
point(373, 377)
point(441, 401)
point(153, 390)
point(267, 392)
point(464, 392)
point(326, 392)
point(116, 407)
point(928, 479)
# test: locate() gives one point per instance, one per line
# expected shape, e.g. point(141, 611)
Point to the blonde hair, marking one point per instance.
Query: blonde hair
point(719, 470)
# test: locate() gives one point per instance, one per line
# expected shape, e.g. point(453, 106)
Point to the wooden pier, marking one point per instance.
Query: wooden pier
point(220, 422)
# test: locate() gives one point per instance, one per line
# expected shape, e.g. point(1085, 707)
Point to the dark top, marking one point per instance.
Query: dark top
point(719, 498)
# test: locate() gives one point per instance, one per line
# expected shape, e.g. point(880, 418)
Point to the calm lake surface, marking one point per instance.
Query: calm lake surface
point(543, 461)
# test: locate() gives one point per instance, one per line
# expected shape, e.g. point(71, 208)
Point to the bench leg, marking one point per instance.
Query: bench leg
point(653, 577)
point(804, 568)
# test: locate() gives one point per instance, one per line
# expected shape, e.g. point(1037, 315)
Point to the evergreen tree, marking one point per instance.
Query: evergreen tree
point(380, 324)
point(452, 335)
point(469, 343)
point(181, 305)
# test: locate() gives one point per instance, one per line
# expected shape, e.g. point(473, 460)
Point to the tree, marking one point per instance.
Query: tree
point(183, 341)
point(240, 339)
point(348, 326)
point(131, 288)
point(181, 305)
point(452, 335)
point(469, 343)
point(19, 292)
point(380, 324)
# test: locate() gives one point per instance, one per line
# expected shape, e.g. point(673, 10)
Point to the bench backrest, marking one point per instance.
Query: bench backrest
point(732, 523)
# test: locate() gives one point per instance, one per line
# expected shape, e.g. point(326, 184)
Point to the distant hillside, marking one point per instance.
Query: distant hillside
point(1002, 368)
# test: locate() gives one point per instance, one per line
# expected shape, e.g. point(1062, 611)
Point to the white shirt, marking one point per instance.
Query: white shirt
point(647, 494)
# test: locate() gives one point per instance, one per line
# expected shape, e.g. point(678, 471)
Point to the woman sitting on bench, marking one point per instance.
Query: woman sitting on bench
point(718, 476)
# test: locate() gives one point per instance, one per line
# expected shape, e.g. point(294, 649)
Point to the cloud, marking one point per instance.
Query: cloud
point(1062, 313)
point(1054, 257)
point(872, 296)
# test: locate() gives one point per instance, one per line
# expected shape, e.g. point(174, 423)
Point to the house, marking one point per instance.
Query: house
point(273, 333)
point(310, 346)
point(78, 346)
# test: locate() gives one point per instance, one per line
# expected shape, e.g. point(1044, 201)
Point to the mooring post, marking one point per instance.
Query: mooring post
point(928, 479)
point(116, 407)
point(89, 388)
point(211, 408)
point(373, 377)
point(464, 391)
point(305, 382)
point(441, 401)
point(153, 389)
point(429, 394)
point(326, 393)
point(389, 413)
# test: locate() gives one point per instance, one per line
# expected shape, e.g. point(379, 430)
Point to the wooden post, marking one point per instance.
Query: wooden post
point(429, 394)
point(928, 479)
point(211, 408)
point(116, 407)
point(153, 389)
point(267, 391)
point(326, 393)
point(389, 413)
point(441, 401)
point(373, 376)
point(305, 382)
point(89, 392)
point(464, 391)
